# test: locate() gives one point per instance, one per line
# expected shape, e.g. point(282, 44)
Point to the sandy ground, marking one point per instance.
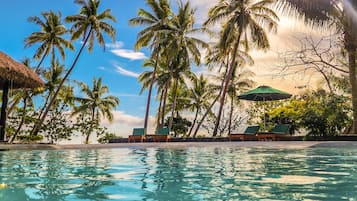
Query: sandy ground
point(175, 145)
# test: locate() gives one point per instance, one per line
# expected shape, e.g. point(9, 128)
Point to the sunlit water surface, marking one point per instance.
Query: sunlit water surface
point(180, 174)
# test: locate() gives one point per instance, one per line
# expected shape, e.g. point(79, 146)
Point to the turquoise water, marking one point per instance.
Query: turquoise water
point(179, 174)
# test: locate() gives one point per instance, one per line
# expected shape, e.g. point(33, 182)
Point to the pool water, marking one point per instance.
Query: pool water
point(208, 173)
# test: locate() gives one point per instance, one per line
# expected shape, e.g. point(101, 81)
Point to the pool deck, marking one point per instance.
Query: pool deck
point(178, 145)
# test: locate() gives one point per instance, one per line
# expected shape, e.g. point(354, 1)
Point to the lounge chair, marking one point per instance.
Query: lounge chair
point(249, 134)
point(279, 131)
point(162, 134)
point(138, 134)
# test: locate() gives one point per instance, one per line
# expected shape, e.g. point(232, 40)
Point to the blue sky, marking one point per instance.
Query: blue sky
point(119, 65)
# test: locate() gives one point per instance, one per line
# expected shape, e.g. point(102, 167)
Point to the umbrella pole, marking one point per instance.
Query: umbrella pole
point(5, 92)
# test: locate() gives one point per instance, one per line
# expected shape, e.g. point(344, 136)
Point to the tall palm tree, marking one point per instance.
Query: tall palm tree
point(246, 20)
point(156, 22)
point(185, 44)
point(95, 104)
point(90, 24)
point(162, 79)
point(50, 37)
point(342, 13)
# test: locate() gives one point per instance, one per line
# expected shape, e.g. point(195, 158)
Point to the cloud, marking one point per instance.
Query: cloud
point(129, 54)
point(123, 124)
point(125, 72)
point(101, 68)
point(116, 45)
point(117, 49)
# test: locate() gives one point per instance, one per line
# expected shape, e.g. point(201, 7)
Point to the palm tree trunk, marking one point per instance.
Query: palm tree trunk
point(5, 92)
point(193, 123)
point(231, 114)
point(39, 64)
point(159, 110)
point(163, 111)
point(44, 105)
point(353, 82)
point(149, 94)
point(91, 127)
point(173, 108)
point(21, 122)
point(38, 125)
point(227, 80)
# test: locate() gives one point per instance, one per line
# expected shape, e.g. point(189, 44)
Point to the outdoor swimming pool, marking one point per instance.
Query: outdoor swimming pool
point(192, 173)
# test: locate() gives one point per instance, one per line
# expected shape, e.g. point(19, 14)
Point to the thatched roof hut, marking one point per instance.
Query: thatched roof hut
point(13, 75)
point(18, 74)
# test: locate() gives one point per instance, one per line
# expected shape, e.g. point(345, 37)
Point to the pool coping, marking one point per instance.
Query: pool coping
point(178, 145)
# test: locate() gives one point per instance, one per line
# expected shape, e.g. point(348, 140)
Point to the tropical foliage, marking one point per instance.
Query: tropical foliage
point(189, 100)
point(317, 112)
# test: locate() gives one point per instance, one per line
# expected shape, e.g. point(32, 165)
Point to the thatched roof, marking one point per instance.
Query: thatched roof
point(18, 74)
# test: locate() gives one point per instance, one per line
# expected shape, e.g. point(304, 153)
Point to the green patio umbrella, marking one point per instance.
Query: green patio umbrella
point(264, 93)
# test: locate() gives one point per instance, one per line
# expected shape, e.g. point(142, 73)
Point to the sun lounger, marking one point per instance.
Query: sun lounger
point(162, 134)
point(249, 134)
point(279, 131)
point(138, 134)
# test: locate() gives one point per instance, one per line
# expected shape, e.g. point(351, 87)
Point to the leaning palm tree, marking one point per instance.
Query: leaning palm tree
point(95, 104)
point(343, 14)
point(90, 24)
point(156, 22)
point(50, 37)
point(245, 20)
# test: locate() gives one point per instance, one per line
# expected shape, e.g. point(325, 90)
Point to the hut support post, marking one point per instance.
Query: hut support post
point(3, 110)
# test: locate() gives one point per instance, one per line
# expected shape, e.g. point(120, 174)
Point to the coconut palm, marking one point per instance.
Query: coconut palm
point(185, 44)
point(156, 22)
point(342, 13)
point(95, 104)
point(50, 37)
point(200, 94)
point(240, 82)
point(26, 98)
point(90, 24)
point(162, 80)
point(244, 20)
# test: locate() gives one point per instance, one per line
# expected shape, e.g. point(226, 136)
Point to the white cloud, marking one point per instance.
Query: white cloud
point(129, 54)
point(125, 72)
point(116, 45)
point(101, 68)
point(117, 49)
point(123, 124)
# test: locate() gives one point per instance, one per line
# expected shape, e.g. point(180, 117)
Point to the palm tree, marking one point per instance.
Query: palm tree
point(240, 82)
point(53, 78)
point(90, 24)
point(95, 104)
point(185, 44)
point(162, 79)
point(245, 20)
point(156, 21)
point(26, 101)
point(200, 94)
point(342, 13)
point(50, 37)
